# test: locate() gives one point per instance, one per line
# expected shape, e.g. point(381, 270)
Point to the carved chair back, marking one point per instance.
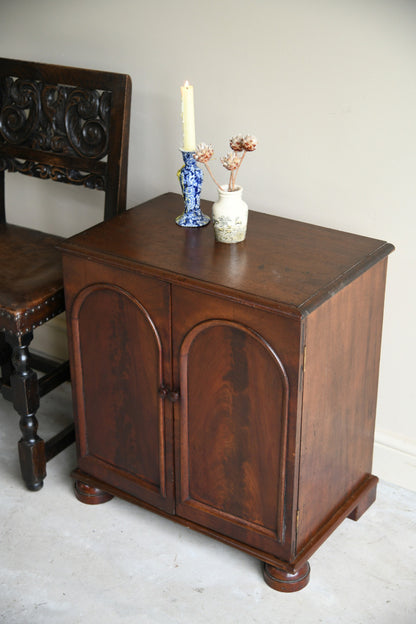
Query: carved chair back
point(65, 124)
point(69, 125)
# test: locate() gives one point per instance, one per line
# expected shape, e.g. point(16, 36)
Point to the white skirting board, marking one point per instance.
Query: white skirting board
point(395, 459)
point(394, 456)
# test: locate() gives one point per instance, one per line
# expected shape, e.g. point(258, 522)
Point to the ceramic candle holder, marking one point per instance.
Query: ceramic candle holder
point(190, 178)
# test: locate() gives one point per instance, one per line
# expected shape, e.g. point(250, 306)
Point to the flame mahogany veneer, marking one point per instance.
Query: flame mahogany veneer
point(231, 388)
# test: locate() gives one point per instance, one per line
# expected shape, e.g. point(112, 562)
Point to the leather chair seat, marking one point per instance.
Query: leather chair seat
point(32, 283)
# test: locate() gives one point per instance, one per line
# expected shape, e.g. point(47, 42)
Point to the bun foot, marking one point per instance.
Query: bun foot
point(285, 581)
point(90, 495)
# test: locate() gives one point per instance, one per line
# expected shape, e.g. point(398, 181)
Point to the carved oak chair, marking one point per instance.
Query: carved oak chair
point(69, 125)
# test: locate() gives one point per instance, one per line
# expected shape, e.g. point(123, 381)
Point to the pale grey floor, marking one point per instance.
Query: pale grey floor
point(62, 562)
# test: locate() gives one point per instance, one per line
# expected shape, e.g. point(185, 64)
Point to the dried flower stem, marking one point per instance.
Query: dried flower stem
point(233, 174)
point(210, 173)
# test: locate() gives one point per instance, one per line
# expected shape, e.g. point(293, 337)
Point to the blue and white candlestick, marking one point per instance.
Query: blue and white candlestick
point(190, 178)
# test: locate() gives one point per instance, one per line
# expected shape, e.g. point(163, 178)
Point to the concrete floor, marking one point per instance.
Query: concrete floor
point(62, 562)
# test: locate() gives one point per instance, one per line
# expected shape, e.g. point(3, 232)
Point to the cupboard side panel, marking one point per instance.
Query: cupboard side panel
point(343, 339)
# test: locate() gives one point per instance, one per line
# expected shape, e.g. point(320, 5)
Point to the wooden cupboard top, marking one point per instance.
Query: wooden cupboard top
point(283, 264)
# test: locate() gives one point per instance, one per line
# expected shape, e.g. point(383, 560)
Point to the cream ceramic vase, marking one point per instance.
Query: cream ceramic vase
point(229, 215)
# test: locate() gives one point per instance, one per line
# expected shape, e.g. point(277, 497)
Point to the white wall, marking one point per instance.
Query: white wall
point(328, 87)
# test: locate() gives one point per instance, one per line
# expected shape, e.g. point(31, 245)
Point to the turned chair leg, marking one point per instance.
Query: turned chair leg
point(25, 397)
point(5, 361)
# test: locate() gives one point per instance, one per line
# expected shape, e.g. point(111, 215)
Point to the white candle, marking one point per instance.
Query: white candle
point(188, 117)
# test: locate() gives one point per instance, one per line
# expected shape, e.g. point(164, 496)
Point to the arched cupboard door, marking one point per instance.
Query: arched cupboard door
point(122, 430)
point(232, 433)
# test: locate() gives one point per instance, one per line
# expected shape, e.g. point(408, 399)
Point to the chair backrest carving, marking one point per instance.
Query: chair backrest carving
point(66, 124)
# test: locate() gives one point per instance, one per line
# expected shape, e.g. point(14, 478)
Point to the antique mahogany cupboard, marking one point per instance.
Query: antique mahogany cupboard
point(229, 387)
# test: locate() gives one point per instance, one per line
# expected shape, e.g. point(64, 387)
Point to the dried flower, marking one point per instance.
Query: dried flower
point(232, 161)
point(249, 143)
point(236, 143)
point(203, 152)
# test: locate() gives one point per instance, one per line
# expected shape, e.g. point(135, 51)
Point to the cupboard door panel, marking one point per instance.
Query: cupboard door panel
point(232, 432)
point(121, 417)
